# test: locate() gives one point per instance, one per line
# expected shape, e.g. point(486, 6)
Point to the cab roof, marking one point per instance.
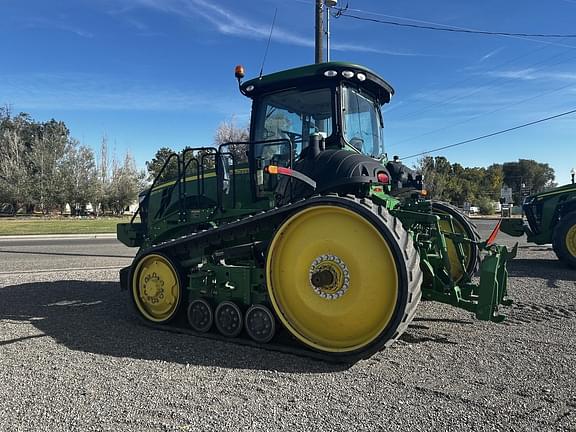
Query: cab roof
point(315, 74)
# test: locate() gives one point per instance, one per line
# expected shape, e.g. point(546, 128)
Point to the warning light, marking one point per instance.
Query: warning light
point(239, 72)
point(383, 177)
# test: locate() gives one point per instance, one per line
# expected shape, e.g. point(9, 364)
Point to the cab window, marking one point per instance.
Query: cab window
point(294, 115)
point(361, 122)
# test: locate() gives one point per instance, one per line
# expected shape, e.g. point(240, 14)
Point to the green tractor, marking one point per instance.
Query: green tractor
point(305, 239)
point(550, 218)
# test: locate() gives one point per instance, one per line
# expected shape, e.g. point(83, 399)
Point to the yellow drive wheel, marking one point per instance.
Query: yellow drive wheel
point(335, 281)
point(460, 225)
point(156, 288)
point(564, 239)
point(571, 241)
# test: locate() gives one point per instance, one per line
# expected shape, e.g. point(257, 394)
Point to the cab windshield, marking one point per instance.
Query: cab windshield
point(294, 115)
point(361, 121)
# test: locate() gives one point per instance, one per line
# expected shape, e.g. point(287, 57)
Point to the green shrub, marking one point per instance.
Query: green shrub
point(486, 206)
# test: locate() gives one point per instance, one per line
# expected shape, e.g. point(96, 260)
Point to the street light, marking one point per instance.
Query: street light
point(329, 4)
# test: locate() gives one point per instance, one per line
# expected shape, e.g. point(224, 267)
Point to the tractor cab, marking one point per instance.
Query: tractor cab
point(340, 102)
point(324, 121)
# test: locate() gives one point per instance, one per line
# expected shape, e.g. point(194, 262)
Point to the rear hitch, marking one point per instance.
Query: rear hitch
point(492, 290)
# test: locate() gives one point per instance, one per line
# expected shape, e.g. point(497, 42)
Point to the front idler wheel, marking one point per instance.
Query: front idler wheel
point(228, 318)
point(156, 288)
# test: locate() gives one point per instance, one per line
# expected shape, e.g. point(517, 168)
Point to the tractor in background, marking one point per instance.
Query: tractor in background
point(550, 218)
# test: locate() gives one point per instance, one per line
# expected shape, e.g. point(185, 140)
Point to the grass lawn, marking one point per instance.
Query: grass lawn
point(39, 225)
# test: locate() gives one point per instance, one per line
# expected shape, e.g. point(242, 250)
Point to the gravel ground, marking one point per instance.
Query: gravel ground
point(74, 358)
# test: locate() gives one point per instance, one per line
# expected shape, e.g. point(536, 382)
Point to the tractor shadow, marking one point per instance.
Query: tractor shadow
point(96, 317)
point(550, 270)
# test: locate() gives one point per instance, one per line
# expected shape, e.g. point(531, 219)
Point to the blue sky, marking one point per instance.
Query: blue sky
point(153, 73)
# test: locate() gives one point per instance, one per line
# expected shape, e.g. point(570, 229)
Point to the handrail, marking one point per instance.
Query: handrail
point(205, 152)
point(155, 182)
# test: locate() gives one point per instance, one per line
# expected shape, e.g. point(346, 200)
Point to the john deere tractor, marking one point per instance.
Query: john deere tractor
point(307, 238)
point(550, 218)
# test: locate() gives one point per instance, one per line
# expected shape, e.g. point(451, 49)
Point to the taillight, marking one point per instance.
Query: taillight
point(383, 177)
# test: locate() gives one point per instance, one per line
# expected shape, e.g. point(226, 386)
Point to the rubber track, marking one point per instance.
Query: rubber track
point(276, 216)
point(414, 273)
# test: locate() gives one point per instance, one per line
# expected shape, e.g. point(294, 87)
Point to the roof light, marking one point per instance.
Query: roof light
point(239, 72)
point(249, 88)
point(361, 77)
point(347, 74)
point(330, 73)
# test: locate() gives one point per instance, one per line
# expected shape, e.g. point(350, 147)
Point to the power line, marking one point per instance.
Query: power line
point(537, 96)
point(486, 86)
point(455, 29)
point(431, 23)
point(492, 134)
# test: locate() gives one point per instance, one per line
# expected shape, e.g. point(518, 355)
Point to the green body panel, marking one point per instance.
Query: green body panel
point(243, 284)
point(513, 226)
point(542, 211)
point(172, 217)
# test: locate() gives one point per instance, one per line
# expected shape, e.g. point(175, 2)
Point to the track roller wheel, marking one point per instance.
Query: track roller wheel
point(564, 239)
point(156, 288)
point(260, 324)
point(228, 318)
point(200, 315)
point(343, 277)
point(462, 225)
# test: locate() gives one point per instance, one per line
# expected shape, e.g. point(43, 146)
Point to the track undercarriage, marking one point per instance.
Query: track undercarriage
point(223, 275)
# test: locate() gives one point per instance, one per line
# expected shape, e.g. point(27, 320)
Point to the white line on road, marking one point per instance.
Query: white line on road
point(60, 270)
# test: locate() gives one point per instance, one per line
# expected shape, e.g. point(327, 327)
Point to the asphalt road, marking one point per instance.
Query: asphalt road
point(61, 255)
point(74, 358)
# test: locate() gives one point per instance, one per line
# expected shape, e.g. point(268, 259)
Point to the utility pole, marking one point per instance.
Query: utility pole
point(328, 4)
point(319, 31)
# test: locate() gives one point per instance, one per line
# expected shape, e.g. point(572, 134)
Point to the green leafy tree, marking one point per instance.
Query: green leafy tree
point(527, 175)
point(457, 184)
point(16, 184)
point(155, 165)
point(51, 142)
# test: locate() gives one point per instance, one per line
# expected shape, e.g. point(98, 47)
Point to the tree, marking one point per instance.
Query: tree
point(51, 142)
point(527, 175)
point(79, 177)
point(229, 133)
point(15, 145)
point(155, 165)
point(126, 182)
point(435, 172)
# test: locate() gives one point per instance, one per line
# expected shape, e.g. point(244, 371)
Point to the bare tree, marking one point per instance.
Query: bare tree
point(236, 137)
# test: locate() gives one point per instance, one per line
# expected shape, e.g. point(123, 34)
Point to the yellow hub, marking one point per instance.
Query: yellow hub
point(332, 278)
point(156, 288)
point(571, 240)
